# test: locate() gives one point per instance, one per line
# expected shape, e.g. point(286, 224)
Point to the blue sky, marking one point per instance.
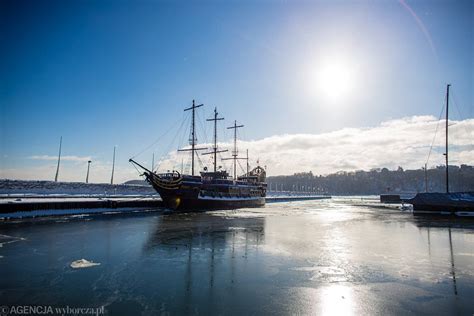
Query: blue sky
point(105, 73)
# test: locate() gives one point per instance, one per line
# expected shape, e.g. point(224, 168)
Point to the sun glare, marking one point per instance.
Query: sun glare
point(333, 80)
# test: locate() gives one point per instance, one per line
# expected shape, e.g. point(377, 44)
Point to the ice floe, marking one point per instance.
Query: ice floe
point(5, 239)
point(83, 263)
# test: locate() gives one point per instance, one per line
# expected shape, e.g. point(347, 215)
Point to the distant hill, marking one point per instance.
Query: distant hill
point(377, 181)
point(136, 182)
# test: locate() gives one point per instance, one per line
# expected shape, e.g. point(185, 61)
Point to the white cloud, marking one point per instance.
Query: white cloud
point(401, 142)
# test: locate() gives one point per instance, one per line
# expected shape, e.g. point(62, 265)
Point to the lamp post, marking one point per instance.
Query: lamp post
point(113, 168)
point(59, 159)
point(88, 167)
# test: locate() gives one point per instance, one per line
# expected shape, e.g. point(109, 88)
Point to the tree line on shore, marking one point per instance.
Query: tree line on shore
point(377, 181)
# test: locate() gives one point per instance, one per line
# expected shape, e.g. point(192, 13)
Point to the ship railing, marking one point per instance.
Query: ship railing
point(169, 176)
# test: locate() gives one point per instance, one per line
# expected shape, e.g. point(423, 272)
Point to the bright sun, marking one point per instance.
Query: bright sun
point(334, 80)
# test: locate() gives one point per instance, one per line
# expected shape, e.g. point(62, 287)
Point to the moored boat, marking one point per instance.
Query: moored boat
point(443, 203)
point(449, 203)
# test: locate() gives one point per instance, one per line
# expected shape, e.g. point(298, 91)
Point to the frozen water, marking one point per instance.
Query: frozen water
point(344, 256)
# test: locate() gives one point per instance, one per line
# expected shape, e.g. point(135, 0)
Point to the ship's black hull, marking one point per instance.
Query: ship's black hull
point(191, 197)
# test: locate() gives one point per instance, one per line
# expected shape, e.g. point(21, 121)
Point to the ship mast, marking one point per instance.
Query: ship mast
point(215, 151)
point(446, 154)
point(193, 139)
point(247, 163)
point(153, 162)
point(234, 152)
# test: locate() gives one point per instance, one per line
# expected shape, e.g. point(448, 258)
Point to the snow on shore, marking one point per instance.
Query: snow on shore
point(25, 187)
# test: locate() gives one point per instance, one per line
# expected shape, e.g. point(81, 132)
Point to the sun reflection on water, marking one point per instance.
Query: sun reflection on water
point(336, 299)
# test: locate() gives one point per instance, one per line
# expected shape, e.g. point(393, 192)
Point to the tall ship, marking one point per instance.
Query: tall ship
point(214, 189)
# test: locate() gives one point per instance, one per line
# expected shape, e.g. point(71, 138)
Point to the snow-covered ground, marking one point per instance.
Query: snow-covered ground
point(25, 188)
